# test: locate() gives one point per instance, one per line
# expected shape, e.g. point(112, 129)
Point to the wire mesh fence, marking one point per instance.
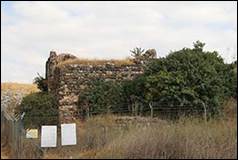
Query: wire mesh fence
point(13, 137)
point(153, 110)
point(90, 135)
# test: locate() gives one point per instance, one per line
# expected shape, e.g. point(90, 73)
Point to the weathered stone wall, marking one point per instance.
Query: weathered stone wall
point(69, 80)
point(72, 79)
point(51, 64)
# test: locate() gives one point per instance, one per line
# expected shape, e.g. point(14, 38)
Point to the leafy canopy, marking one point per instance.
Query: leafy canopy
point(190, 77)
point(40, 108)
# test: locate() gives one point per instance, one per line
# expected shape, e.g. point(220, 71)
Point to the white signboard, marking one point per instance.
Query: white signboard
point(68, 134)
point(31, 133)
point(48, 136)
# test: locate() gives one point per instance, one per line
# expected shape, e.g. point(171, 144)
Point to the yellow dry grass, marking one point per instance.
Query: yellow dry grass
point(13, 93)
point(26, 88)
point(126, 61)
point(185, 138)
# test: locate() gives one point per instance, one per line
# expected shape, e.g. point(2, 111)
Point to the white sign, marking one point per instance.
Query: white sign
point(31, 133)
point(68, 134)
point(48, 136)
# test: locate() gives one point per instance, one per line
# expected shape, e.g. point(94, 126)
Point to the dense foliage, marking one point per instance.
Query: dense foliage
point(102, 97)
point(189, 77)
point(40, 108)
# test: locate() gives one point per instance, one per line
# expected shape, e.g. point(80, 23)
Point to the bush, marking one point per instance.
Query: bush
point(102, 97)
point(190, 77)
point(40, 108)
point(41, 83)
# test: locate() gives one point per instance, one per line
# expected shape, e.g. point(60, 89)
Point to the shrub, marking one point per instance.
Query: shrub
point(190, 77)
point(41, 83)
point(137, 53)
point(40, 108)
point(102, 97)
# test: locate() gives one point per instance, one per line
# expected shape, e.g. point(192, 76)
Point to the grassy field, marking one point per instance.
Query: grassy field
point(186, 138)
point(26, 88)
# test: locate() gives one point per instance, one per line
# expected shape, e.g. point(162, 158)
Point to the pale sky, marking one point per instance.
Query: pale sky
point(30, 30)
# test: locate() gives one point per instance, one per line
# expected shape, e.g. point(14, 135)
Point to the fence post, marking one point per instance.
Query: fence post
point(13, 139)
point(136, 108)
point(21, 135)
point(141, 109)
point(151, 110)
point(88, 113)
point(205, 111)
point(133, 109)
point(3, 130)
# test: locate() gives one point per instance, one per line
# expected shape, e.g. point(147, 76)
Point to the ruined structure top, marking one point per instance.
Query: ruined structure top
point(67, 82)
point(51, 64)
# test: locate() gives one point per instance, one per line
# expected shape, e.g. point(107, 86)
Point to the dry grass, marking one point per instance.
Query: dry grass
point(230, 109)
point(186, 138)
point(92, 136)
point(126, 61)
point(12, 94)
point(26, 88)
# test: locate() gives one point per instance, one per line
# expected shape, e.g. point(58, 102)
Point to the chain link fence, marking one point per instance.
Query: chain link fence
point(13, 137)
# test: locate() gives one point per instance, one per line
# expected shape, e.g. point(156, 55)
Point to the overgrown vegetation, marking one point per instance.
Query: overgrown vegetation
point(102, 97)
point(187, 138)
point(102, 137)
point(141, 57)
point(137, 53)
point(40, 109)
point(189, 77)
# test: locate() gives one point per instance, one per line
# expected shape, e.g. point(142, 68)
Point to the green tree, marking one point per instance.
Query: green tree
point(102, 97)
point(134, 93)
point(198, 45)
point(189, 77)
point(40, 109)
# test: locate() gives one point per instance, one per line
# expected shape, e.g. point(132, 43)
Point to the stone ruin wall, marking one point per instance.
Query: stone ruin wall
point(68, 81)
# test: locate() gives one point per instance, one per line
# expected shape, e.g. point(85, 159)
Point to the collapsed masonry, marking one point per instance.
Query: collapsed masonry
point(68, 77)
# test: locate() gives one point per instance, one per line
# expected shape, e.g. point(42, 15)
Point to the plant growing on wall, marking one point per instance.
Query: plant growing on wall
point(41, 83)
point(137, 53)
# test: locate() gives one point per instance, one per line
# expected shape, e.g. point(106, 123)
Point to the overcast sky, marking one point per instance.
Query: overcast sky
point(30, 30)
